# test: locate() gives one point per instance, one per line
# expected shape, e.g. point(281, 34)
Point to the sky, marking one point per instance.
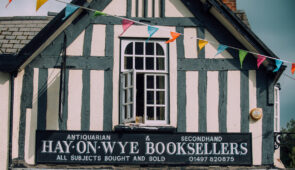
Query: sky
point(271, 20)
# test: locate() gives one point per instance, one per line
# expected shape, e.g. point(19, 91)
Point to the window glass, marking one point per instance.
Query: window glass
point(139, 48)
point(129, 49)
point(139, 63)
point(160, 50)
point(149, 63)
point(149, 48)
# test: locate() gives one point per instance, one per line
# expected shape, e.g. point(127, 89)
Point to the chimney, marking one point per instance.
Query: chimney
point(231, 4)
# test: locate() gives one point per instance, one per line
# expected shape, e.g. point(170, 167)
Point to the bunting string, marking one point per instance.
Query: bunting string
point(201, 42)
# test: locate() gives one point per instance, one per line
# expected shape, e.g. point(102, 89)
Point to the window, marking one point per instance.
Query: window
point(144, 78)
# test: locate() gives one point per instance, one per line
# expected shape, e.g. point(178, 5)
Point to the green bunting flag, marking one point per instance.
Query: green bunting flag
point(242, 55)
point(98, 13)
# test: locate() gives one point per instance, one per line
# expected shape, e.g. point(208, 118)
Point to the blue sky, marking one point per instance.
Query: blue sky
point(272, 21)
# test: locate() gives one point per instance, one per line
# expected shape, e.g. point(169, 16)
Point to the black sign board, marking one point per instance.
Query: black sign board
point(77, 147)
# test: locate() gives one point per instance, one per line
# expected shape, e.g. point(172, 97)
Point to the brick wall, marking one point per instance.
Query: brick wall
point(231, 4)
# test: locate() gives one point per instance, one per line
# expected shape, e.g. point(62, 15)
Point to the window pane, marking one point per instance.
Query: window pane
point(129, 49)
point(125, 111)
point(149, 48)
point(150, 113)
point(128, 63)
point(149, 63)
point(160, 63)
point(150, 97)
point(130, 95)
point(131, 111)
point(150, 82)
point(160, 97)
point(160, 113)
point(139, 63)
point(160, 82)
point(160, 50)
point(139, 48)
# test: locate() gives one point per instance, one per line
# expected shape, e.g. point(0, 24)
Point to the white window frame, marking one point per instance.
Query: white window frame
point(145, 72)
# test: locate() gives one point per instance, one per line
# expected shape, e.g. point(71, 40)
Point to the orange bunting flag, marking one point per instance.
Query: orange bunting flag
point(174, 36)
point(202, 44)
point(293, 68)
point(40, 3)
point(8, 3)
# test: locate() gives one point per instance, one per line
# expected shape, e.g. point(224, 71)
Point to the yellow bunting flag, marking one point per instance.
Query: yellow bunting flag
point(174, 35)
point(202, 44)
point(40, 3)
point(293, 68)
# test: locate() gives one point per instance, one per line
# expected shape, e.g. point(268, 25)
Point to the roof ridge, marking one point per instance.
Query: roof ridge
point(25, 18)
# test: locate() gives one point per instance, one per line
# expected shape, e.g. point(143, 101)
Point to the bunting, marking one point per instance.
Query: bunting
point(8, 3)
point(69, 10)
point(278, 64)
point(202, 44)
point(221, 48)
point(151, 30)
point(99, 13)
point(260, 59)
point(174, 36)
point(40, 3)
point(242, 55)
point(293, 68)
point(126, 24)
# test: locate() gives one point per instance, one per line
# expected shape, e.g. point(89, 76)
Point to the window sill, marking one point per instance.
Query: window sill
point(144, 128)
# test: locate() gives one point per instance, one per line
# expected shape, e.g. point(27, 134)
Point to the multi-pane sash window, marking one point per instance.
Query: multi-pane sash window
point(144, 82)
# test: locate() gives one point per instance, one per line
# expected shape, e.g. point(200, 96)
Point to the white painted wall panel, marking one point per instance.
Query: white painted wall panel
point(175, 8)
point(212, 101)
point(192, 101)
point(157, 8)
point(96, 99)
point(74, 100)
point(211, 48)
point(140, 8)
point(31, 122)
point(233, 101)
point(98, 39)
point(53, 84)
point(190, 41)
point(18, 85)
point(150, 8)
point(4, 113)
point(76, 47)
point(133, 8)
point(116, 7)
point(255, 127)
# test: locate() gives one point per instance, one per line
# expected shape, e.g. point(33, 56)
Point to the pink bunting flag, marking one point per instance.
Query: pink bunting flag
point(126, 24)
point(260, 59)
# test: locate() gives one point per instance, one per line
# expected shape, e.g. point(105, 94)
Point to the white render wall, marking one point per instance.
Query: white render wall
point(4, 114)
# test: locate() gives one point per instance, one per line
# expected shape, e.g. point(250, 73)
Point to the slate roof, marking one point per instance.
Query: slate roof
point(16, 32)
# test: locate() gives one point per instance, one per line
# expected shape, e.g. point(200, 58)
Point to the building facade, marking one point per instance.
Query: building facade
point(81, 76)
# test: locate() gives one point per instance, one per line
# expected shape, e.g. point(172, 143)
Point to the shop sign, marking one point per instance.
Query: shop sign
point(77, 147)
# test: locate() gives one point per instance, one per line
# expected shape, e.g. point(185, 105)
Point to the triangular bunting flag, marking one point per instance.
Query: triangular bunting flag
point(98, 13)
point(151, 31)
point(220, 49)
point(126, 24)
point(40, 3)
point(260, 59)
point(174, 36)
point(293, 68)
point(278, 64)
point(69, 10)
point(202, 44)
point(8, 3)
point(242, 55)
